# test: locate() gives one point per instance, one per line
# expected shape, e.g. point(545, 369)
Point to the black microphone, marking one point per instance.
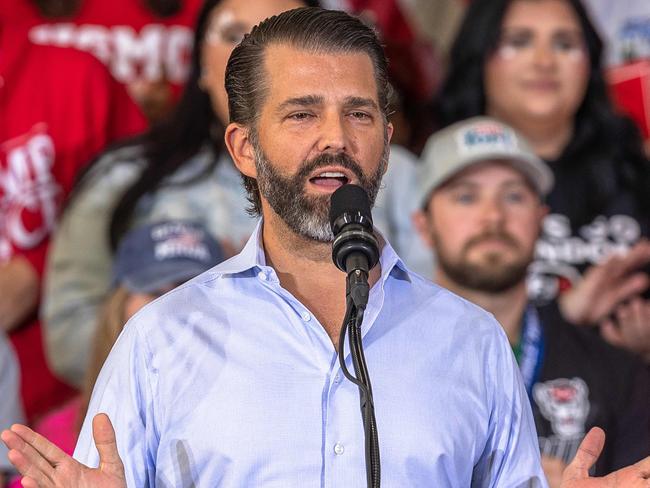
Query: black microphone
point(355, 250)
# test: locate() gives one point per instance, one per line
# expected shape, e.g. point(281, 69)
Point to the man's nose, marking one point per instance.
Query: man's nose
point(333, 134)
point(493, 214)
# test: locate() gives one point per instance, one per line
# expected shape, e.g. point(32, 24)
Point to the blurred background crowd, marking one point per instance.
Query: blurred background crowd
point(115, 186)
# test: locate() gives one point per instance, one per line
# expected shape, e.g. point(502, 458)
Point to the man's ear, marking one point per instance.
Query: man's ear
point(421, 223)
point(389, 131)
point(239, 146)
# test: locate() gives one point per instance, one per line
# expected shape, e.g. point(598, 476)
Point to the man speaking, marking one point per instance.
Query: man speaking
point(233, 379)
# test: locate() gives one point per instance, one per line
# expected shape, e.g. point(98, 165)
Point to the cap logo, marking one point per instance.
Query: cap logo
point(179, 241)
point(484, 137)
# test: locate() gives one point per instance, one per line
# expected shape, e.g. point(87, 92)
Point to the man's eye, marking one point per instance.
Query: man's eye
point(465, 198)
point(360, 115)
point(514, 197)
point(300, 116)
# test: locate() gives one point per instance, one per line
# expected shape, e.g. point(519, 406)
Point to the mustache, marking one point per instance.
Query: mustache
point(323, 160)
point(491, 235)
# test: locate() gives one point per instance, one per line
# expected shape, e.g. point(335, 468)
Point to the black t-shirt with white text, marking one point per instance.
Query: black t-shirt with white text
point(584, 382)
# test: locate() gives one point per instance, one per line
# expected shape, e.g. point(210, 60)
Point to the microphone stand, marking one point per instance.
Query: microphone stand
point(357, 291)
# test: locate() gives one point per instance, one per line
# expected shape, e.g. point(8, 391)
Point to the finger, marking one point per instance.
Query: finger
point(637, 309)
point(10, 439)
point(630, 286)
point(28, 482)
point(28, 461)
point(637, 257)
point(611, 333)
point(610, 268)
point(47, 449)
point(104, 436)
point(637, 318)
point(27, 468)
point(588, 452)
point(632, 322)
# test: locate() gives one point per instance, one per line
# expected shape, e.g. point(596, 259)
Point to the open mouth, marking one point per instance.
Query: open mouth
point(330, 179)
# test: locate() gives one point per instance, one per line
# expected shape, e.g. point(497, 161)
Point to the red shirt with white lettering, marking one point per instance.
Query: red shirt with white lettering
point(125, 35)
point(58, 109)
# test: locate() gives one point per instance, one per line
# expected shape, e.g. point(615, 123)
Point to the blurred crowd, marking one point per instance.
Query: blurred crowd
point(518, 178)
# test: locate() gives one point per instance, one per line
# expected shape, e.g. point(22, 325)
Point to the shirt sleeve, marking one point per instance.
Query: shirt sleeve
point(511, 455)
point(125, 391)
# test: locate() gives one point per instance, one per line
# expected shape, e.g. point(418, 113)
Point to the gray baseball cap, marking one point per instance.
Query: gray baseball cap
point(473, 141)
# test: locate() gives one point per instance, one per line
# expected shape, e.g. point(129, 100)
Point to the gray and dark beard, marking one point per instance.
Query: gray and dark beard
point(308, 216)
point(492, 275)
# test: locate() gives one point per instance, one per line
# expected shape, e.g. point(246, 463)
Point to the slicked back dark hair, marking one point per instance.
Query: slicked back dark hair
point(172, 143)
point(601, 136)
point(310, 29)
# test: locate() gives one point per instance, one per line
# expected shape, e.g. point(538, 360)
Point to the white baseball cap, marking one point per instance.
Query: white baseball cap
point(473, 141)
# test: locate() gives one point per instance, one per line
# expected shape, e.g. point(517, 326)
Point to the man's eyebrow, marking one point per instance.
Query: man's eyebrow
point(360, 102)
point(520, 182)
point(305, 101)
point(454, 184)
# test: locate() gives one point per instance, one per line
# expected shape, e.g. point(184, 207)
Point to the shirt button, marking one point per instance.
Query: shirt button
point(339, 449)
point(305, 316)
point(337, 378)
point(261, 275)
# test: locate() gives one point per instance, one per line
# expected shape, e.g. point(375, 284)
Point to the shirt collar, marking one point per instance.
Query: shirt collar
point(252, 256)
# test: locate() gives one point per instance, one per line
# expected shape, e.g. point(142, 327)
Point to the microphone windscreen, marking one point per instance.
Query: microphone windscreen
point(349, 199)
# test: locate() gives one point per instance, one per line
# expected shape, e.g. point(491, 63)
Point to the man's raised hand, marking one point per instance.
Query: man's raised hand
point(576, 475)
point(43, 465)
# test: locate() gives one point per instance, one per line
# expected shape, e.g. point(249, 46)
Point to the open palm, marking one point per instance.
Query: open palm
point(43, 465)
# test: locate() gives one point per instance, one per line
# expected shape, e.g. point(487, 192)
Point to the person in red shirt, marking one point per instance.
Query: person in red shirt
point(146, 44)
point(58, 109)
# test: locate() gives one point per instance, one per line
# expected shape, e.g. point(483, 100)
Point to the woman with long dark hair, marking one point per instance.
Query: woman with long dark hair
point(536, 65)
point(177, 170)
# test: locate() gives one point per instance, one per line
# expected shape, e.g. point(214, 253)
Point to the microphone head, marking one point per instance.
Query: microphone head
point(351, 223)
point(350, 202)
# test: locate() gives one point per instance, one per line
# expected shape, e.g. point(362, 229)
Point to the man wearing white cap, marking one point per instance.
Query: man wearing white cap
point(481, 195)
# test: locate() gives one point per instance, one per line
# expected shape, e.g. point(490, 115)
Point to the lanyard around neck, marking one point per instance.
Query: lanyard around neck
point(530, 349)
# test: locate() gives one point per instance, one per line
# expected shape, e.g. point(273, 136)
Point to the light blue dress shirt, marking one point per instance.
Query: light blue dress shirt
point(229, 381)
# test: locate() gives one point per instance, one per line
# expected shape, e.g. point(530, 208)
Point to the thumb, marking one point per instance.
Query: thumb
point(104, 436)
point(588, 452)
